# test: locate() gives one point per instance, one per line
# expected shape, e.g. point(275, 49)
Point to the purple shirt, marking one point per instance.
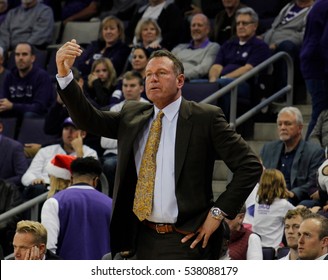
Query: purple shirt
point(233, 55)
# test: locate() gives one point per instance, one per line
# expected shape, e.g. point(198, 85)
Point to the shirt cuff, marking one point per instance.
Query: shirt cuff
point(64, 81)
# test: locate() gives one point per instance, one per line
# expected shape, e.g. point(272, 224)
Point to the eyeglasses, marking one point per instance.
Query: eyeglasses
point(244, 23)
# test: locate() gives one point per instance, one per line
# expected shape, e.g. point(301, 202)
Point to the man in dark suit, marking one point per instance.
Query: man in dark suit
point(13, 162)
point(30, 242)
point(297, 159)
point(185, 221)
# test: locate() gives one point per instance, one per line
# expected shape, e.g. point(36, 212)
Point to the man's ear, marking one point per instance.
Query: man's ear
point(83, 134)
point(42, 248)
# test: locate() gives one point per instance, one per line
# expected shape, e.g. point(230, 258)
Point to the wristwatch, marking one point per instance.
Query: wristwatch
point(216, 213)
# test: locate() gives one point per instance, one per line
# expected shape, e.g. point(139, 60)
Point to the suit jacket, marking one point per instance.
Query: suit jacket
point(202, 136)
point(306, 162)
point(13, 163)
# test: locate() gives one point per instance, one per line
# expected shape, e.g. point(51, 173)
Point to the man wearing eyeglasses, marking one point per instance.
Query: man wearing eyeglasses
point(238, 56)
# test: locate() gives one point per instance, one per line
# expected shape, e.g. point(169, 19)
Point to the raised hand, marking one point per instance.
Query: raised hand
point(65, 57)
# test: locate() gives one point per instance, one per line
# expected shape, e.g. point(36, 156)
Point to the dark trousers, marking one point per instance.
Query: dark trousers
point(155, 246)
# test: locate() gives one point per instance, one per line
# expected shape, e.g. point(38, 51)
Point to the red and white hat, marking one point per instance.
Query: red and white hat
point(60, 166)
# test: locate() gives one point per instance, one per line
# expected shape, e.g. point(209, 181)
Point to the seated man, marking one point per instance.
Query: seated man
point(293, 219)
point(86, 235)
point(132, 88)
point(28, 90)
point(32, 22)
point(313, 238)
point(30, 242)
point(238, 56)
point(197, 56)
point(36, 179)
point(297, 159)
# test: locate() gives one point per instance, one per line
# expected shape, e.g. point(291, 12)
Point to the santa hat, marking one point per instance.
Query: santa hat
point(60, 166)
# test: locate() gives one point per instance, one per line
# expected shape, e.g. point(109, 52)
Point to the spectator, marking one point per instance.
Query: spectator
point(3, 71)
point(314, 60)
point(319, 134)
point(139, 60)
point(225, 21)
point(168, 17)
point(68, 239)
point(36, 179)
point(293, 219)
point(110, 44)
point(148, 34)
point(28, 91)
point(13, 163)
point(30, 242)
point(243, 243)
point(271, 206)
point(238, 56)
point(197, 56)
point(59, 171)
point(32, 22)
point(132, 87)
point(313, 238)
point(297, 159)
point(101, 83)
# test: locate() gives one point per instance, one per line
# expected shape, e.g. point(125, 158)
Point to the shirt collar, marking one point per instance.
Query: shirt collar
point(203, 45)
point(170, 110)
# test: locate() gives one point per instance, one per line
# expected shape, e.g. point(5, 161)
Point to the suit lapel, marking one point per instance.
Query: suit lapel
point(183, 133)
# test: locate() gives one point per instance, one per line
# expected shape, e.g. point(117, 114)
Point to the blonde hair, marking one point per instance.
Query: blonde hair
point(56, 185)
point(145, 22)
point(272, 185)
point(111, 80)
point(38, 230)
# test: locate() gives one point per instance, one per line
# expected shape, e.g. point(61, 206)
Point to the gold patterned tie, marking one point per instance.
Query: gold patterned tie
point(143, 199)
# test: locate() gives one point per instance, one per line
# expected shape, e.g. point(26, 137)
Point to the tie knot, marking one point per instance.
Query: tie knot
point(160, 115)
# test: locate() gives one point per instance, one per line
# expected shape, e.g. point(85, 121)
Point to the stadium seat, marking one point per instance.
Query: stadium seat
point(269, 253)
point(31, 131)
point(199, 91)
